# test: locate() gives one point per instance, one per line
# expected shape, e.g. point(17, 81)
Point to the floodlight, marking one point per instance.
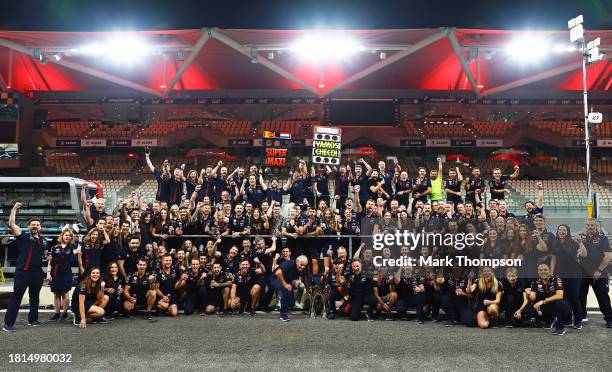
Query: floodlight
point(576, 33)
point(593, 44)
point(119, 49)
point(575, 22)
point(528, 49)
point(321, 46)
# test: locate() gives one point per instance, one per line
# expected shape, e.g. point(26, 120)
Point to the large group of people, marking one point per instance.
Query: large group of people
point(221, 242)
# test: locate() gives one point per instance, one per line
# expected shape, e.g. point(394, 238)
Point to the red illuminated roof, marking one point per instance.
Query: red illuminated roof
point(417, 59)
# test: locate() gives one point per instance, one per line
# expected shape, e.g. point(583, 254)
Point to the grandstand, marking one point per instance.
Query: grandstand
point(507, 118)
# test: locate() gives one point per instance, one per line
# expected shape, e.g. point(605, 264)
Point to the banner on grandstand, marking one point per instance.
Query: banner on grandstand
point(582, 143)
point(326, 145)
point(277, 149)
point(240, 142)
point(606, 142)
point(142, 142)
point(438, 142)
point(412, 142)
point(489, 142)
point(67, 143)
point(95, 142)
point(119, 143)
point(463, 143)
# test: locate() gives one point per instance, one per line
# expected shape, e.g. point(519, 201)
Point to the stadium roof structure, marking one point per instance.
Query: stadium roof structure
point(183, 62)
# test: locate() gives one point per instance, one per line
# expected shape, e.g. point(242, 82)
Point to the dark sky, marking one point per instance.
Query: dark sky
point(100, 15)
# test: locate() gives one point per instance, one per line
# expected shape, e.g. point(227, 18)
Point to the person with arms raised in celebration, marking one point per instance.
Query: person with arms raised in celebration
point(32, 248)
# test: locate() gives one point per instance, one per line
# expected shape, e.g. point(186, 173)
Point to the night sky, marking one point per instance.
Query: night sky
point(106, 15)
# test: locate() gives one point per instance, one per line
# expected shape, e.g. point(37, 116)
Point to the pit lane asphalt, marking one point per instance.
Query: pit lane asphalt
point(265, 343)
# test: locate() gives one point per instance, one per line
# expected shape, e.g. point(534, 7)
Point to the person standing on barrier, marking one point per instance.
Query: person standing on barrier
point(595, 270)
point(287, 278)
point(32, 248)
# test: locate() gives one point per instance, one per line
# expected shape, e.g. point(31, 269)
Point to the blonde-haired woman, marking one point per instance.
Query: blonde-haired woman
point(59, 273)
point(488, 291)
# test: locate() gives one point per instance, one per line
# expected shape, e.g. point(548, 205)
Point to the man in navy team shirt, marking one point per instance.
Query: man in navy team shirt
point(286, 279)
point(163, 178)
point(32, 248)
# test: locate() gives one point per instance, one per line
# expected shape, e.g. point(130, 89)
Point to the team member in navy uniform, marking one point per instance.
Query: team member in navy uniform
point(193, 279)
point(163, 179)
point(514, 300)
point(113, 288)
point(421, 187)
point(410, 292)
point(128, 258)
point(439, 292)
point(337, 297)
point(473, 185)
point(361, 292)
point(165, 287)
point(498, 185)
point(88, 299)
point(238, 225)
point(285, 280)
point(403, 188)
point(546, 294)
point(343, 176)
point(488, 291)
point(567, 252)
point(384, 291)
point(32, 248)
point(59, 272)
point(245, 286)
point(138, 291)
point(460, 299)
point(91, 252)
point(321, 184)
point(595, 269)
point(452, 187)
point(217, 290)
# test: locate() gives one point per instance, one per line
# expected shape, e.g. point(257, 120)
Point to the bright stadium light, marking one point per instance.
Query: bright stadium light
point(528, 49)
point(325, 46)
point(127, 50)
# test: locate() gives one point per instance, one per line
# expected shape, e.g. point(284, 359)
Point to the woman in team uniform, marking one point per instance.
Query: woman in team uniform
point(146, 228)
point(59, 272)
point(349, 225)
point(460, 298)
point(88, 299)
point(494, 247)
point(162, 229)
point(567, 252)
point(259, 223)
point(329, 227)
point(91, 254)
point(488, 291)
point(529, 255)
point(113, 287)
point(191, 182)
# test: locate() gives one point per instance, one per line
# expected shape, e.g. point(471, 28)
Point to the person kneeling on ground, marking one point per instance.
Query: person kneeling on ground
point(89, 299)
point(546, 296)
